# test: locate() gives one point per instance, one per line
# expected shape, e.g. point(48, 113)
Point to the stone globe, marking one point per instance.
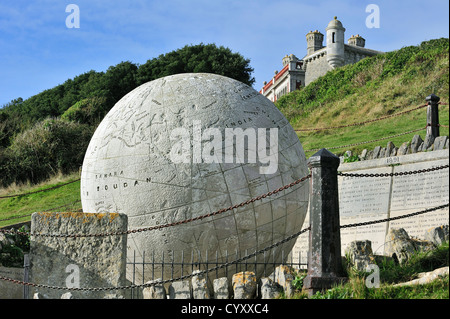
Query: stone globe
point(188, 145)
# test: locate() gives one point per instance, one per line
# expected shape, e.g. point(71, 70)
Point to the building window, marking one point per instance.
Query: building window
point(333, 40)
point(281, 92)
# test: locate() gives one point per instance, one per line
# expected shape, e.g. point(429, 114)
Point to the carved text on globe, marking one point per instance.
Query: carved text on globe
point(231, 149)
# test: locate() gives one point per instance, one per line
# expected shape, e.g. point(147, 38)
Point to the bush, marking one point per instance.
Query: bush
point(13, 246)
point(88, 111)
point(51, 146)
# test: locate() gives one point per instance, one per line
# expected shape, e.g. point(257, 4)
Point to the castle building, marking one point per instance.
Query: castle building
point(318, 60)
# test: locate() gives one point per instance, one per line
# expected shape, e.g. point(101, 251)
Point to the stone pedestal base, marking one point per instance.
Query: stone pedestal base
point(314, 284)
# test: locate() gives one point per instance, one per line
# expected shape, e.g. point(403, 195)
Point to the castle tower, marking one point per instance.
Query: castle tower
point(357, 40)
point(335, 43)
point(314, 42)
point(292, 60)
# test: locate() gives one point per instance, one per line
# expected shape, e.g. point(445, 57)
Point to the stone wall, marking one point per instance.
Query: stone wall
point(417, 144)
point(12, 261)
point(84, 261)
point(243, 285)
point(364, 199)
point(316, 67)
point(317, 64)
point(9, 290)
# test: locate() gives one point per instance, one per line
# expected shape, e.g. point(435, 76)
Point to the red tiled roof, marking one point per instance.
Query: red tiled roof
point(283, 70)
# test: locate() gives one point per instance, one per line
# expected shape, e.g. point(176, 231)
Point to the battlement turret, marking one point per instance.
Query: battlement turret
point(335, 43)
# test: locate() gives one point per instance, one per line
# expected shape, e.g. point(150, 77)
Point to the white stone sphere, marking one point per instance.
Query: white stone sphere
point(137, 163)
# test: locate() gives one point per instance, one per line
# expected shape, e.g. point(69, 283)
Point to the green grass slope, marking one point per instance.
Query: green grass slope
point(61, 193)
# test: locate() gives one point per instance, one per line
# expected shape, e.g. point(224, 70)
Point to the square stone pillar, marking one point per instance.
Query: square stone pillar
point(324, 256)
point(433, 115)
point(78, 262)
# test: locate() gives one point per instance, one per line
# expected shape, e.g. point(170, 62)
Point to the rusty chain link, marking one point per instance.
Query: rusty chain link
point(371, 141)
point(361, 123)
point(159, 282)
point(156, 282)
point(395, 218)
point(443, 103)
point(370, 121)
point(220, 211)
point(234, 207)
point(394, 174)
point(119, 233)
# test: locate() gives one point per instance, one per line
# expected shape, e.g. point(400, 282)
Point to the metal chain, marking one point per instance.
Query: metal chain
point(233, 207)
point(224, 209)
point(152, 283)
point(371, 141)
point(220, 211)
point(394, 174)
point(395, 218)
point(158, 282)
point(286, 240)
point(361, 123)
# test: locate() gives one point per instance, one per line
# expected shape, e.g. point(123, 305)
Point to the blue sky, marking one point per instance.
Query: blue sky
point(38, 51)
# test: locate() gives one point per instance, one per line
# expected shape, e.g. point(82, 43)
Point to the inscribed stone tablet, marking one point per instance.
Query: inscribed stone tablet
point(417, 192)
point(364, 199)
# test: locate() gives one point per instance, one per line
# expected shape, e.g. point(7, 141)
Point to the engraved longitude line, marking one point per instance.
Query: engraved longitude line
point(253, 209)
point(231, 202)
point(208, 203)
point(285, 192)
point(208, 200)
point(209, 207)
point(228, 192)
point(166, 209)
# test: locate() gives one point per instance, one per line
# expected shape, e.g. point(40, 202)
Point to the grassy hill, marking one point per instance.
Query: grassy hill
point(60, 193)
point(372, 88)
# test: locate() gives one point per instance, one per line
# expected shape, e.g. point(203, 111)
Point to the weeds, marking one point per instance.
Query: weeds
point(390, 274)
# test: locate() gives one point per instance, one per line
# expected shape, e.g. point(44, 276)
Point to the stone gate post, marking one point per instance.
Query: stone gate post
point(77, 261)
point(324, 256)
point(432, 115)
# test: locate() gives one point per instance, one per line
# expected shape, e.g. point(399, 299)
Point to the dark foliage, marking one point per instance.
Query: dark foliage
point(50, 131)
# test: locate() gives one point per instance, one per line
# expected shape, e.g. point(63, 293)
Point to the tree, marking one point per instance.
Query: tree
point(88, 111)
point(207, 58)
point(10, 121)
point(50, 131)
point(49, 147)
point(120, 79)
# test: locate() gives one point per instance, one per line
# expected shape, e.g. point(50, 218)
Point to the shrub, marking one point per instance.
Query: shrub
point(88, 111)
point(49, 147)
